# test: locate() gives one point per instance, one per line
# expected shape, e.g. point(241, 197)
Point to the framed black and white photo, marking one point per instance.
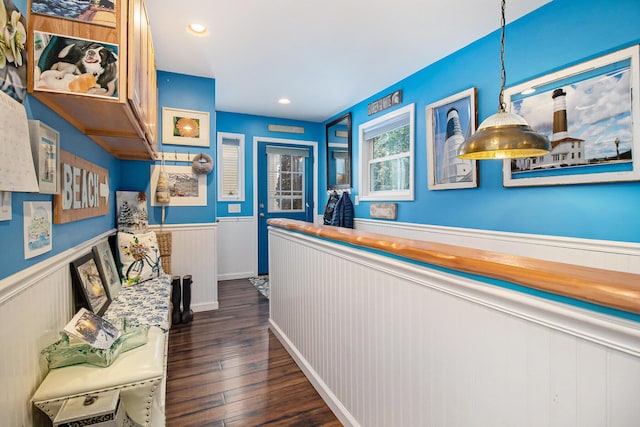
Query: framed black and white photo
point(185, 127)
point(89, 290)
point(590, 117)
point(107, 268)
point(449, 122)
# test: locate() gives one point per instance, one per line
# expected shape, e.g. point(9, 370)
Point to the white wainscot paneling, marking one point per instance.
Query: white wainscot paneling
point(35, 304)
point(389, 343)
point(608, 255)
point(238, 256)
point(194, 251)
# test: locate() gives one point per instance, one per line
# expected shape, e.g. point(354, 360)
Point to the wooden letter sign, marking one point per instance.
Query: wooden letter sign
point(84, 190)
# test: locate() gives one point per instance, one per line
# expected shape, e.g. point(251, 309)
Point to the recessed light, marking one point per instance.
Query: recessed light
point(284, 101)
point(197, 29)
point(528, 91)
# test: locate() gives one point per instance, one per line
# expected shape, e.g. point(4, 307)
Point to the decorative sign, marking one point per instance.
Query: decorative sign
point(385, 102)
point(84, 190)
point(383, 210)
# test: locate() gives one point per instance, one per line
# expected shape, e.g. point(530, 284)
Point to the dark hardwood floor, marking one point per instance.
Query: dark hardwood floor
point(226, 368)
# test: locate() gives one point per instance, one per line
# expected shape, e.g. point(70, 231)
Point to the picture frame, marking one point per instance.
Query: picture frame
point(131, 211)
point(588, 114)
point(185, 187)
point(89, 289)
point(45, 148)
point(449, 122)
point(96, 13)
point(107, 268)
point(38, 228)
point(185, 127)
point(62, 65)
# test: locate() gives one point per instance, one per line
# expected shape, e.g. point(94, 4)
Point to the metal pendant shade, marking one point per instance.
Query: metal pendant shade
point(504, 135)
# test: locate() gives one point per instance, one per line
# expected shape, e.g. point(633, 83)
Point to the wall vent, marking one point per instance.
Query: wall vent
point(286, 129)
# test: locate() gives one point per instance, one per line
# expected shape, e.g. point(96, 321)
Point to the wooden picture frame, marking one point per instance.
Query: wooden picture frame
point(107, 268)
point(449, 122)
point(591, 118)
point(89, 289)
point(185, 127)
point(45, 148)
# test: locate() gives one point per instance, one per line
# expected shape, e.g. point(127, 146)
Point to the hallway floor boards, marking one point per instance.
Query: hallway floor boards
point(227, 369)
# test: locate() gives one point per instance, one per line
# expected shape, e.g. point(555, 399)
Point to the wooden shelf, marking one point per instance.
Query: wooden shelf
point(607, 288)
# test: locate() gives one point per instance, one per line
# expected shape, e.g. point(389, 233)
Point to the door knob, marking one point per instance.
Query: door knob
point(261, 214)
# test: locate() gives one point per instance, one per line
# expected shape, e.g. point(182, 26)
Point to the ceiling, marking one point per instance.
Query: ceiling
point(324, 55)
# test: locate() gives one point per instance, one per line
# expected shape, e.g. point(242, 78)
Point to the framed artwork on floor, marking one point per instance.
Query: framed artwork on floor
point(591, 118)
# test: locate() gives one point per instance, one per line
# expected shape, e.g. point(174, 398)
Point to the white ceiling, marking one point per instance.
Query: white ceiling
point(325, 55)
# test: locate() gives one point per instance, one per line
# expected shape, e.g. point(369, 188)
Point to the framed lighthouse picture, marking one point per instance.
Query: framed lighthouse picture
point(591, 119)
point(449, 122)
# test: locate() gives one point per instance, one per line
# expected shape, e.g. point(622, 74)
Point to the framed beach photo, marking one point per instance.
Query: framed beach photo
point(185, 187)
point(45, 148)
point(449, 122)
point(38, 236)
point(185, 127)
point(107, 268)
point(89, 290)
point(591, 118)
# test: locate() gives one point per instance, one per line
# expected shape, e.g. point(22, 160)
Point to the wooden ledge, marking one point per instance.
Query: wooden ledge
point(603, 287)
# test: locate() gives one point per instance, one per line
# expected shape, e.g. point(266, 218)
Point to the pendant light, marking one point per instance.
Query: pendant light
point(504, 135)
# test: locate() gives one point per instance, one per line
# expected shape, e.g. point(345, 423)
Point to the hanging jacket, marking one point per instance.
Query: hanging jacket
point(343, 212)
point(330, 208)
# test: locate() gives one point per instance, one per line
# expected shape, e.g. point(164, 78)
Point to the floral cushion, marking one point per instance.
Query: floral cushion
point(140, 257)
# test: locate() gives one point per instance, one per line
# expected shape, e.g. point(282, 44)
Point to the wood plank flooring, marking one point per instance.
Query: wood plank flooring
point(227, 369)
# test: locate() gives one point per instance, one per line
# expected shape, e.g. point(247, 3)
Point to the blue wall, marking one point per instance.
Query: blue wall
point(559, 34)
point(189, 93)
point(256, 126)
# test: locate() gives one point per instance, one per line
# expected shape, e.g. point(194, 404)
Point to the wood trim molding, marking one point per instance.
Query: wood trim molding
point(607, 288)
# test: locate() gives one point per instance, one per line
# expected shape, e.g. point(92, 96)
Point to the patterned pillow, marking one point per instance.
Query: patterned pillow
point(139, 256)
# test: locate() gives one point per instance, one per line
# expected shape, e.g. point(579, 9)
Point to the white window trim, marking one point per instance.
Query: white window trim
point(221, 196)
point(363, 158)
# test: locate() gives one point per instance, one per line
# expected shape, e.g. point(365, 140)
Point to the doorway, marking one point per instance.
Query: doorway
point(285, 177)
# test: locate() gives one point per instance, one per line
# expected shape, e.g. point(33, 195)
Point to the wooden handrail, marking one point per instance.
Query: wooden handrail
point(607, 288)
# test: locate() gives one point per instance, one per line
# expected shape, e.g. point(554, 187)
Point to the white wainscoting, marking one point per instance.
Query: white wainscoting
point(389, 343)
point(35, 304)
point(238, 242)
point(605, 254)
point(194, 250)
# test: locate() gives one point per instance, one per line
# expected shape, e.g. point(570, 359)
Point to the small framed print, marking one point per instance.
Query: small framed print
point(185, 127)
point(38, 236)
point(89, 290)
point(449, 122)
point(591, 114)
point(45, 148)
point(107, 268)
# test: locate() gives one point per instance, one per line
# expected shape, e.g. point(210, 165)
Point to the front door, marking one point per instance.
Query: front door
point(285, 189)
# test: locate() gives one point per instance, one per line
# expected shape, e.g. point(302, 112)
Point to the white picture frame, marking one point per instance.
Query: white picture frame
point(185, 127)
point(45, 148)
point(443, 148)
point(185, 187)
point(597, 138)
point(38, 226)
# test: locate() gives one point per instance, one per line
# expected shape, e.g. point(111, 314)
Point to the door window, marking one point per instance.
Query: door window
point(286, 178)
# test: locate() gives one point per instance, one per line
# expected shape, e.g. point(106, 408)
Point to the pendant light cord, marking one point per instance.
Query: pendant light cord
point(503, 73)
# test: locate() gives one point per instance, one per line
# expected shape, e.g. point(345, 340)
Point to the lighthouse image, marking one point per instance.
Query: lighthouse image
point(454, 169)
point(565, 149)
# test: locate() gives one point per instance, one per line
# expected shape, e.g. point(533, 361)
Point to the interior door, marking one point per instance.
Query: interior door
point(285, 189)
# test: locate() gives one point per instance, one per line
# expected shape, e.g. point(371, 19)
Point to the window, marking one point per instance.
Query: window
point(286, 178)
point(230, 167)
point(386, 156)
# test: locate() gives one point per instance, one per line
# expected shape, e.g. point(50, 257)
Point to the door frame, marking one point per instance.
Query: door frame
point(299, 142)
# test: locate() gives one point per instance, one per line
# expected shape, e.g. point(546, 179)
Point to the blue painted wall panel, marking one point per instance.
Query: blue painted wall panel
point(257, 126)
point(559, 34)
